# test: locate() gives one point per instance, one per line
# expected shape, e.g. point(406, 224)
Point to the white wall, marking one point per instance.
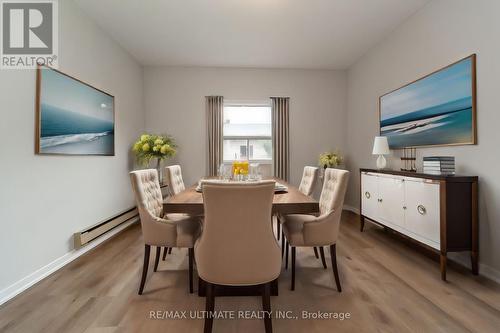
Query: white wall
point(441, 33)
point(45, 199)
point(175, 104)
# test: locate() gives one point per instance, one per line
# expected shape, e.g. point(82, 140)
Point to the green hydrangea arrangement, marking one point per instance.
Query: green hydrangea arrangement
point(330, 159)
point(149, 147)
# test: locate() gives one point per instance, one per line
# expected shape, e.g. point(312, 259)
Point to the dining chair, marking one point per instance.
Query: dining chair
point(237, 246)
point(307, 184)
point(175, 183)
point(173, 177)
point(308, 181)
point(318, 231)
point(156, 229)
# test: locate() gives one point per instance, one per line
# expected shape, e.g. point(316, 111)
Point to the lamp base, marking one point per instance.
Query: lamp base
point(381, 162)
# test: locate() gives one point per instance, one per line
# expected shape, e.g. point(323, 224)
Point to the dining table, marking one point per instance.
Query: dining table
point(291, 201)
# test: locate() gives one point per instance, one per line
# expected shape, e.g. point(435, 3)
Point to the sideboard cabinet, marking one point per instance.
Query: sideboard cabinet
point(438, 212)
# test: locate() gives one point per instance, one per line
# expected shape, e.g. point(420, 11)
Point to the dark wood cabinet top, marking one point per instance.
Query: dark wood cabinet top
point(448, 178)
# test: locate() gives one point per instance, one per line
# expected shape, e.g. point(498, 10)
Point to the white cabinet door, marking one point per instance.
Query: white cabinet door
point(369, 195)
point(391, 203)
point(422, 210)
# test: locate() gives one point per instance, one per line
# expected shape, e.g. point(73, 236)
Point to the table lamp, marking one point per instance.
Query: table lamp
point(381, 148)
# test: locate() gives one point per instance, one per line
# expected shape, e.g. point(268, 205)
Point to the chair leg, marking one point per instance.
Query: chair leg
point(293, 268)
point(266, 306)
point(286, 254)
point(316, 252)
point(333, 254)
point(191, 256)
point(322, 253)
point(165, 251)
point(157, 258)
point(147, 251)
point(278, 226)
point(209, 307)
point(169, 250)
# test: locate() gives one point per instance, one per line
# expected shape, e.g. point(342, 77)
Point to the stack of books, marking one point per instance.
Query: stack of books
point(439, 165)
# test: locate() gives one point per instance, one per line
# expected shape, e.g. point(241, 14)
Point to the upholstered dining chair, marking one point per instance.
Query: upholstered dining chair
point(237, 246)
point(307, 184)
point(308, 181)
point(156, 229)
point(173, 177)
point(322, 230)
point(175, 183)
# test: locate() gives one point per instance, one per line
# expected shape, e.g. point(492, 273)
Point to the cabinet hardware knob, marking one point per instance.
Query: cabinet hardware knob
point(380, 200)
point(404, 207)
point(367, 195)
point(421, 210)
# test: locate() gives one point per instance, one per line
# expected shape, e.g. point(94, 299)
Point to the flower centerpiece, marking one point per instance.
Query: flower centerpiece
point(150, 147)
point(330, 159)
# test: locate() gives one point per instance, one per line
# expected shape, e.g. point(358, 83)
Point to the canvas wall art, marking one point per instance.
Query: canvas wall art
point(439, 109)
point(73, 118)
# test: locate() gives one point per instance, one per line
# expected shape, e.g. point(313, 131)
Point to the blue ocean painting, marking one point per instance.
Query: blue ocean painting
point(436, 110)
point(75, 118)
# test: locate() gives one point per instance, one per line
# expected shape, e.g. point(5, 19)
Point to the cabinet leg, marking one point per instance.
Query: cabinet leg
point(474, 260)
point(443, 266)
point(362, 223)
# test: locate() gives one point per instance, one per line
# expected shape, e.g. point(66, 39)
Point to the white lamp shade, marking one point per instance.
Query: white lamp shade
point(380, 146)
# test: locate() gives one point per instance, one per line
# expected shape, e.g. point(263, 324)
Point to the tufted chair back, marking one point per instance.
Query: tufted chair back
point(333, 192)
point(237, 245)
point(174, 179)
point(324, 230)
point(309, 177)
point(156, 230)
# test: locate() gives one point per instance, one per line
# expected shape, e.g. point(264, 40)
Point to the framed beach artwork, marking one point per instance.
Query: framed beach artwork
point(72, 117)
point(436, 110)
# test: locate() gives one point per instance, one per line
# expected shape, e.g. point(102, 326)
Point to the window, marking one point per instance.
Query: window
point(247, 133)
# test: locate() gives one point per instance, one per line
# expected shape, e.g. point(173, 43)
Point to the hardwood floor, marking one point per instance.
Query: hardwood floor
point(386, 286)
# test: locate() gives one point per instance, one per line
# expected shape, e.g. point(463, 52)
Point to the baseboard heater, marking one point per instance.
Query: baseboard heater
point(83, 237)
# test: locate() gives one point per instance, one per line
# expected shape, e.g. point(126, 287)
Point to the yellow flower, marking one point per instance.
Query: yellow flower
point(145, 147)
point(158, 142)
point(156, 148)
point(164, 149)
point(144, 137)
point(137, 146)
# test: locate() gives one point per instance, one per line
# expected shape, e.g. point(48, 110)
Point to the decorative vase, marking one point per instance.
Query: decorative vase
point(160, 172)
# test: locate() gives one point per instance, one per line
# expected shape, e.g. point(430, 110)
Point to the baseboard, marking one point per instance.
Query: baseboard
point(26, 282)
point(489, 272)
point(351, 209)
point(463, 259)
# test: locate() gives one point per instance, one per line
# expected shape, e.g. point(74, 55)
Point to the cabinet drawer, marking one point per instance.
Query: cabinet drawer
point(423, 209)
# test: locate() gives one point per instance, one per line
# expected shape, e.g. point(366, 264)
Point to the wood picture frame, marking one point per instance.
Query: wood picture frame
point(472, 136)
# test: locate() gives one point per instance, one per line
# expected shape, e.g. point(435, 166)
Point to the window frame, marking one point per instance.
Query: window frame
point(247, 138)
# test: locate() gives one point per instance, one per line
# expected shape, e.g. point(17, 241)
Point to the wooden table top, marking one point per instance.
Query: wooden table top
point(292, 202)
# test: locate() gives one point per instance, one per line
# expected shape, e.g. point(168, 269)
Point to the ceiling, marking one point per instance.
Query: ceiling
point(326, 34)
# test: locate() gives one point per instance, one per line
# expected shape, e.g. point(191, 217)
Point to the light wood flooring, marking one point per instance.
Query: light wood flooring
point(388, 286)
